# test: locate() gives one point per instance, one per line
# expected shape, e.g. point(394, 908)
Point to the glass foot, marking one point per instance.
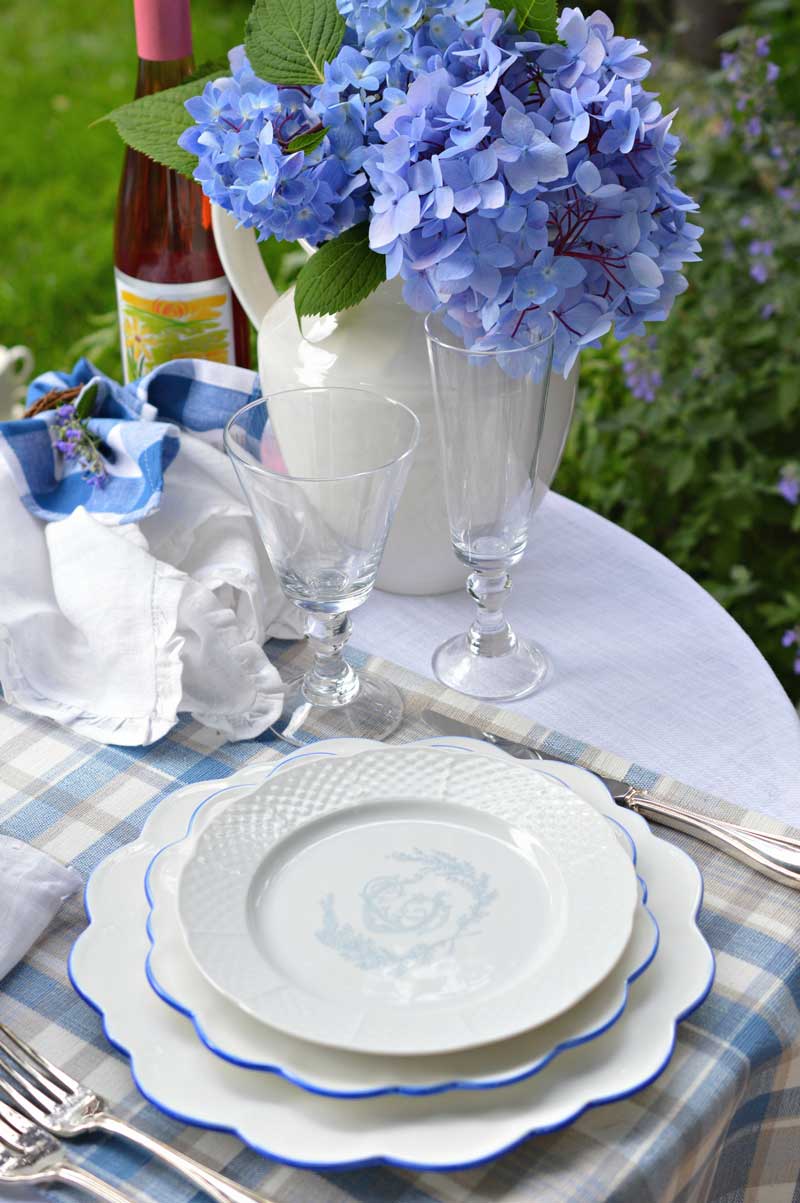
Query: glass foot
point(514, 674)
point(374, 712)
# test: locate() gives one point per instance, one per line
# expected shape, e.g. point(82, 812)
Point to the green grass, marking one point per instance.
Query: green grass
point(58, 177)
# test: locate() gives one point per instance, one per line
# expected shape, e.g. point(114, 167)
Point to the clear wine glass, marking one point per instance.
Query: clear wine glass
point(490, 407)
point(323, 470)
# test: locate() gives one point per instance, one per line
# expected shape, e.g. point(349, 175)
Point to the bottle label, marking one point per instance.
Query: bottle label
point(159, 322)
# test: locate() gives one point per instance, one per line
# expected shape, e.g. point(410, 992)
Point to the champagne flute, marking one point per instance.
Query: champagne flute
point(490, 407)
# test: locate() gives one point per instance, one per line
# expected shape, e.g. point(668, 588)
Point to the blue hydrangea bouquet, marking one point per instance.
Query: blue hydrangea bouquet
point(505, 161)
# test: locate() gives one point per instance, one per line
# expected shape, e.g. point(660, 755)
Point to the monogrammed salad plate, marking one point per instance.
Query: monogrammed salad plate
point(180, 1075)
point(406, 902)
point(237, 1037)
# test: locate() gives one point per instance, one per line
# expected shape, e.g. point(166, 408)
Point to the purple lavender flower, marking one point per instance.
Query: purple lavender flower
point(789, 484)
point(73, 439)
point(641, 377)
point(753, 127)
point(773, 71)
point(762, 46)
point(790, 638)
point(759, 272)
point(767, 311)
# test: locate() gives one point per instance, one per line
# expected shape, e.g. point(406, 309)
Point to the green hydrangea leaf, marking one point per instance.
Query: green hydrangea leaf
point(289, 41)
point(85, 407)
point(539, 15)
point(307, 142)
point(153, 124)
point(340, 274)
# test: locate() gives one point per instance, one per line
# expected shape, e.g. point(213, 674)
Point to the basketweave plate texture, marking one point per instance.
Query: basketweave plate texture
point(438, 1132)
point(407, 902)
point(239, 1038)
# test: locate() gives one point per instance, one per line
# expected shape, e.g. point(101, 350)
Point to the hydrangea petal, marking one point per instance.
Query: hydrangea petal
point(646, 270)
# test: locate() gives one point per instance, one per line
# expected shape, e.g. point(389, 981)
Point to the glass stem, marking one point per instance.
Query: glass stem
point(490, 634)
point(330, 681)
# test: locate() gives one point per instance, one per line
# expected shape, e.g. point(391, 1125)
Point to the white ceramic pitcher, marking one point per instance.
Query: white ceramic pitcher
point(378, 345)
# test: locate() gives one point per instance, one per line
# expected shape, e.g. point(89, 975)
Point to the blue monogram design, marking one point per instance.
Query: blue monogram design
point(398, 905)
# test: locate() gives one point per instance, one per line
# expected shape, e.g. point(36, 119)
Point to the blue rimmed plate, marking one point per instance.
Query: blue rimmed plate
point(408, 902)
point(245, 1041)
point(451, 1131)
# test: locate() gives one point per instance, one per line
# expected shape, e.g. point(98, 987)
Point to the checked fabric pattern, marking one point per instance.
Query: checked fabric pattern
point(720, 1125)
point(138, 427)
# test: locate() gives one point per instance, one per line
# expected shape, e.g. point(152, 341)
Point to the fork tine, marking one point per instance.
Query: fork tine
point(69, 1084)
point(26, 1061)
point(7, 1140)
point(12, 1119)
point(45, 1101)
point(37, 1114)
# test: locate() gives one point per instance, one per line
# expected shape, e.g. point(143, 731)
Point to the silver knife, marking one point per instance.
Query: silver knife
point(778, 857)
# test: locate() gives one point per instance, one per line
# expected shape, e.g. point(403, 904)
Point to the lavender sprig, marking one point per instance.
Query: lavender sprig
point(71, 436)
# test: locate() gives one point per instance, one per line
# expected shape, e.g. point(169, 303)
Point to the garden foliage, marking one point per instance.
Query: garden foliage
point(690, 437)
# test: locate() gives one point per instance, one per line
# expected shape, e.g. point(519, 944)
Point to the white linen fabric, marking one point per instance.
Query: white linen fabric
point(113, 629)
point(32, 888)
point(645, 663)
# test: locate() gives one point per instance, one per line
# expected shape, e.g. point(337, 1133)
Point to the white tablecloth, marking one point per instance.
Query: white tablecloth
point(645, 662)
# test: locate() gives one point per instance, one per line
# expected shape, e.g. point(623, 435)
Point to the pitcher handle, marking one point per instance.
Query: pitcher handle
point(243, 265)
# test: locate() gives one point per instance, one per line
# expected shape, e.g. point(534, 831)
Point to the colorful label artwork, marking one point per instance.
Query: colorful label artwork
point(159, 322)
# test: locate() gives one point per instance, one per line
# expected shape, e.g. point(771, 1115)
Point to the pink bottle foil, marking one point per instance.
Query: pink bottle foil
point(163, 29)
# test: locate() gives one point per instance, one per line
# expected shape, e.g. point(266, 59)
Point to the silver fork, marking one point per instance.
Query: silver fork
point(30, 1156)
point(62, 1107)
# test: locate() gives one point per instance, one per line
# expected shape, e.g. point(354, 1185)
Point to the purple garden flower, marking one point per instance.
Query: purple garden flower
point(642, 378)
point(789, 484)
point(791, 638)
point(71, 436)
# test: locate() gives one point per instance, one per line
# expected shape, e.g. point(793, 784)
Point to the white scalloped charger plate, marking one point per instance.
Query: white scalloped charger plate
point(237, 1037)
point(438, 1132)
point(406, 902)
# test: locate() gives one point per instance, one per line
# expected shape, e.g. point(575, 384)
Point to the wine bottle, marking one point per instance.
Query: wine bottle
point(173, 299)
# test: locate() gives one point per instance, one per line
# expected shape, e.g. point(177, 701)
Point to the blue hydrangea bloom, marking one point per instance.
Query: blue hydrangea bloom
point(502, 178)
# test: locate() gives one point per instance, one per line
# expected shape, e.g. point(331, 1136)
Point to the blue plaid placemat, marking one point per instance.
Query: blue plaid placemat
point(720, 1125)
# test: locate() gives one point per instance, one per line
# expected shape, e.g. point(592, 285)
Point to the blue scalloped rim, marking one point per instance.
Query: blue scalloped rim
point(394, 1161)
point(439, 1087)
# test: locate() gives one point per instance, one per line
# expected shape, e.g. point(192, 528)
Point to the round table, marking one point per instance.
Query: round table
point(645, 663)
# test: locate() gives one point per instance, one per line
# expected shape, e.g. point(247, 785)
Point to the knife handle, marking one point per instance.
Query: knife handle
point(780, 862)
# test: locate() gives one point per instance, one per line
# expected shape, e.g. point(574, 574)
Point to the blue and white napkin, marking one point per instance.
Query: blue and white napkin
point(124, 604)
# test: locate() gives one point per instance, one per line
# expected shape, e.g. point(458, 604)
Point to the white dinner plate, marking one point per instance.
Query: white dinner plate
point(237, 1037)
point(406, 902)
point(179, 1075)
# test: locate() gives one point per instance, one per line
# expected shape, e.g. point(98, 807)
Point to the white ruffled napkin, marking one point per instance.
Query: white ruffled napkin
point(113, 629)
point(32, 888)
